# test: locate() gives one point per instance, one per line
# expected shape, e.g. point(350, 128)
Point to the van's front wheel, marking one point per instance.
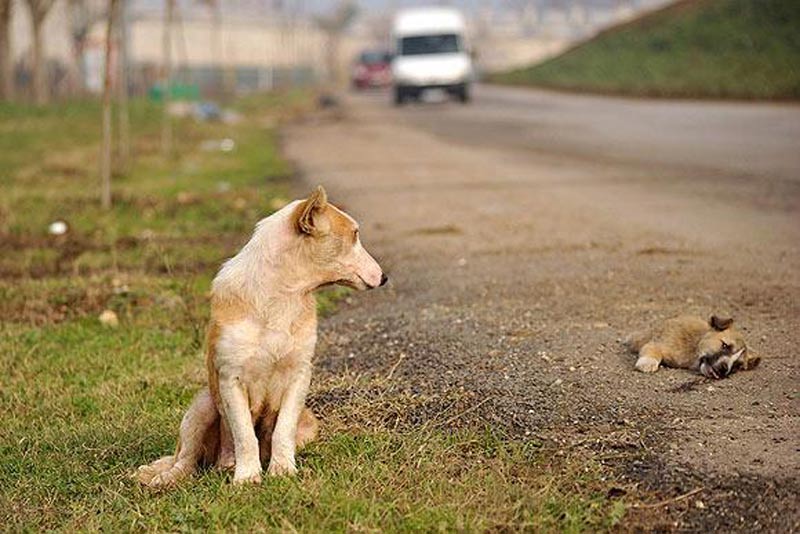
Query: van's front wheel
point(399, 96)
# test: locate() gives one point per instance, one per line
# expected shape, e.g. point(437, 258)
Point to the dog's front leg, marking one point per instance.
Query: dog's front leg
point(282, 461)
point(236, 411)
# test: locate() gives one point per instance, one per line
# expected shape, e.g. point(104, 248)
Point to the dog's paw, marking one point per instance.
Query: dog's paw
point(281, 468)
point(243, 476)
point(646, 364)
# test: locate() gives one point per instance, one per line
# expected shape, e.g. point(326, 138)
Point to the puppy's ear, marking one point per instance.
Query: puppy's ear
point(751, 362)
point(307, 215)
point(720, 324)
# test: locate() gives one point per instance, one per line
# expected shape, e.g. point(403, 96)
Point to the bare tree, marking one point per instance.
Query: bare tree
point(334, 26)
point(39, 10)
point(166, 126)
point(215, 41)
point(6, 58)
point(528, 13)
point(82, 16)
point(122, 87)
point(105, 156)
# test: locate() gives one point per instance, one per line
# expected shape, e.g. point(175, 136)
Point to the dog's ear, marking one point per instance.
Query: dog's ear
point(309, 211)
point(720, 324)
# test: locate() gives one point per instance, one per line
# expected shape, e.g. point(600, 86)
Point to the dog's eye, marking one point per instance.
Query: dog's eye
point(725, 347)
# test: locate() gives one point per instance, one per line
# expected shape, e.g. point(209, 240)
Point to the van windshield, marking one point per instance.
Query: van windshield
point(429, 44)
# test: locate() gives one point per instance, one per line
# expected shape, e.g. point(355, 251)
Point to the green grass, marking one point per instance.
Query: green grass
point(746, 49)
point(82, 405)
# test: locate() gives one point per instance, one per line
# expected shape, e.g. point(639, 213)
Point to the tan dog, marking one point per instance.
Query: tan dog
point(714, 347)
point(260, 343)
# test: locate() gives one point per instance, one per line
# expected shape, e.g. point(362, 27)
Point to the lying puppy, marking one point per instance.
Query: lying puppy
point(260, 342)
point(714, 347)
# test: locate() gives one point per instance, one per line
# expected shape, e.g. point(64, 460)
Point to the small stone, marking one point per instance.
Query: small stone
point(227, 144)
point(109, 318)
point(700, 505)
point(57, 228)
point(185, 197)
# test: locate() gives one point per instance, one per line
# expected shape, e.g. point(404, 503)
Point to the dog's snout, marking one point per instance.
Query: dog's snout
point(384, 279)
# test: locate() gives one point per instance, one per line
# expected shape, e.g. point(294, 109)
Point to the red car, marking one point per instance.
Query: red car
point(372, 69)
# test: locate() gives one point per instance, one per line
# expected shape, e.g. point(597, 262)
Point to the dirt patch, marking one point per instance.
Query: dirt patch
point(38, 308)
point(39, 257)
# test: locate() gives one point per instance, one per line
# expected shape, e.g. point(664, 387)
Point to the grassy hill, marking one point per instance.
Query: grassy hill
point(694, 48)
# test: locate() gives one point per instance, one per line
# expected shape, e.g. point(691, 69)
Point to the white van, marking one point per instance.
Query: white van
point(430, 53)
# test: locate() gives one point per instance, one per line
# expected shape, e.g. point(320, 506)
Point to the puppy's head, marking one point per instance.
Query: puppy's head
point(722, 350)
point(331, 246)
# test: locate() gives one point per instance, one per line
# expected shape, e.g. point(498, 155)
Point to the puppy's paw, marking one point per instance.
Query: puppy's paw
point(647, 364)
point(247, 475)
point(281, 468)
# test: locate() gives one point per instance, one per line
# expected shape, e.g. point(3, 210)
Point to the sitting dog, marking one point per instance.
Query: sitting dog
point(260, 342)
point(714, 347)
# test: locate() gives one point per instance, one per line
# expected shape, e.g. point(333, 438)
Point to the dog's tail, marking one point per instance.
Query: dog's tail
point(307, 428)
point(636, 340)
point(198, 442)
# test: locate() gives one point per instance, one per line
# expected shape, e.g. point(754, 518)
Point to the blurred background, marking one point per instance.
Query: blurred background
point(260, 45)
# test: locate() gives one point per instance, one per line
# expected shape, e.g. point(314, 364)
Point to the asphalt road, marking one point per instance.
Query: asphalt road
point(528, 232)
point(732, 139)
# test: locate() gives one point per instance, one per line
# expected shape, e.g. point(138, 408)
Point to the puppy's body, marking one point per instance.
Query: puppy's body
point(712, 347)
point(261, 340)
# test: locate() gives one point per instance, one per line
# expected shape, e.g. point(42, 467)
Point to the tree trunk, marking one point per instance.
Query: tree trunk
point(39, 10)
point(105, 156)
point(332, 59)
point(6, 57)
point(122, 86)
point(79, 28)
point(38, 67)
point(166, 126)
